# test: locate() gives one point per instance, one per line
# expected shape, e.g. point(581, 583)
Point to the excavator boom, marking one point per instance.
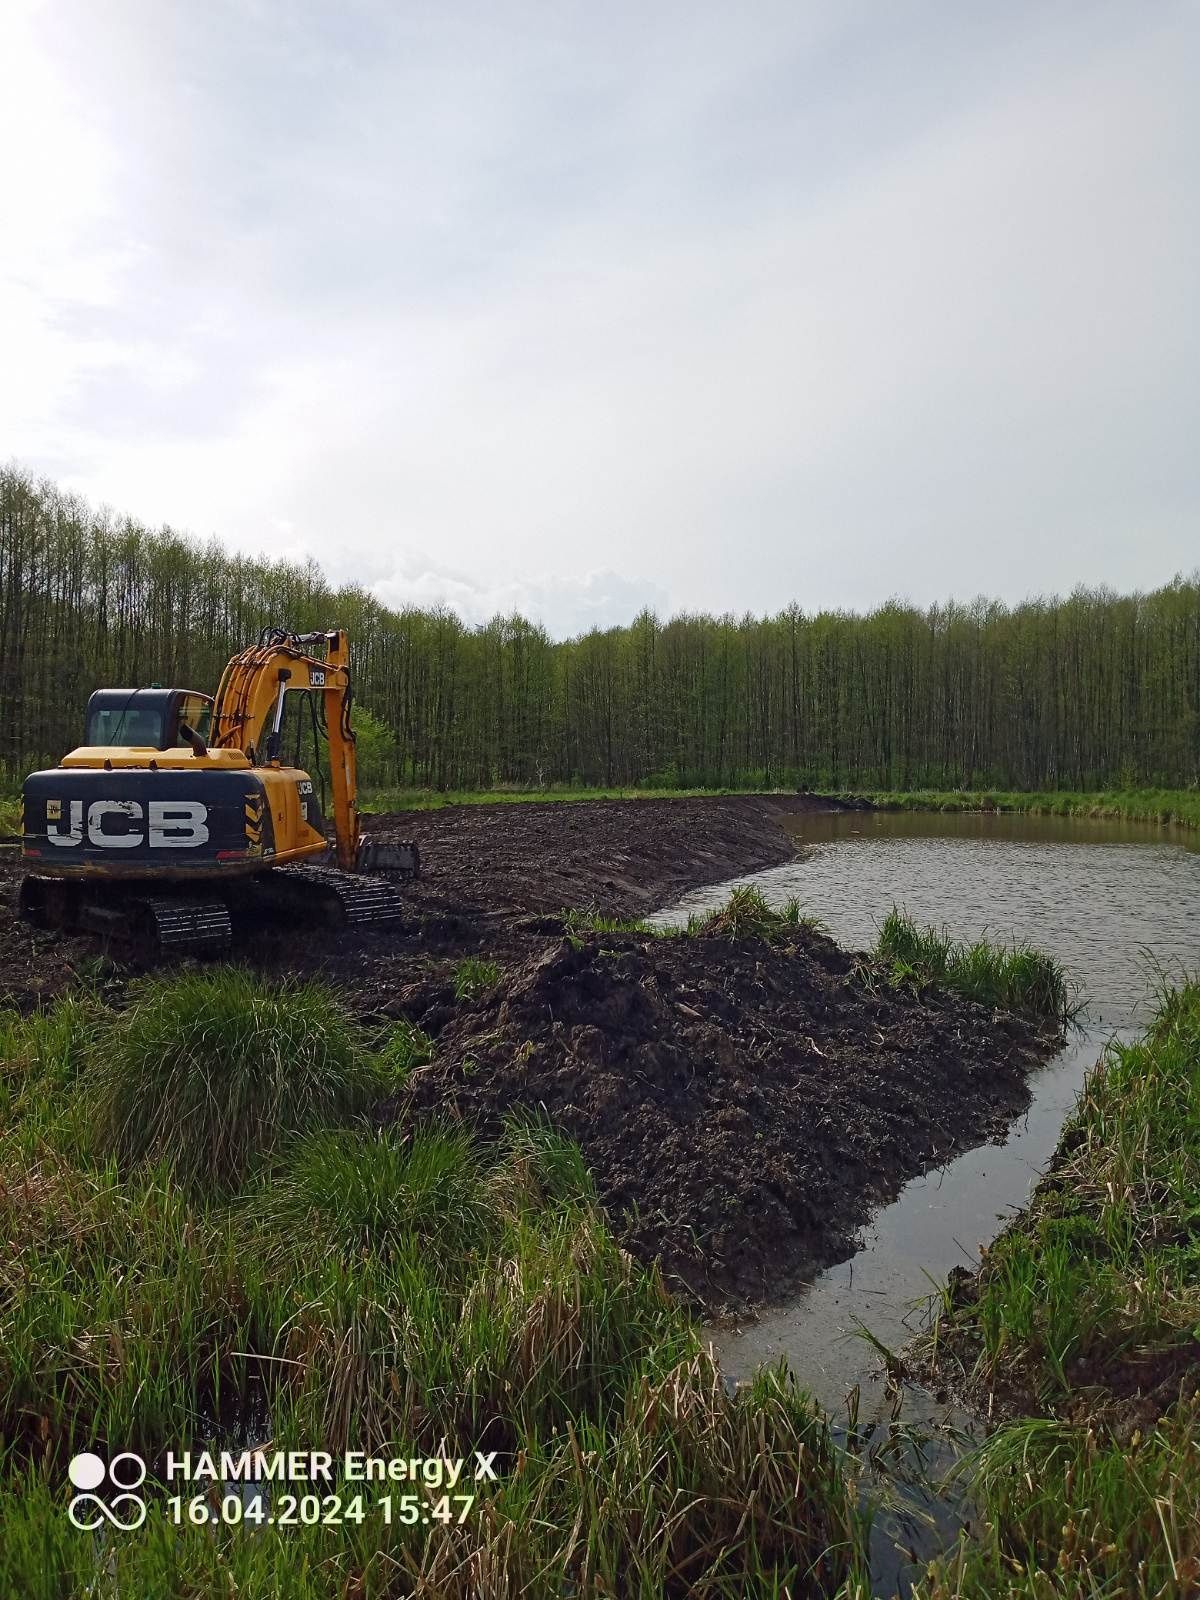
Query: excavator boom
point(249, 707)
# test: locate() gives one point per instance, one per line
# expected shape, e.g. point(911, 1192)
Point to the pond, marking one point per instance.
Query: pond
point(1116, 903)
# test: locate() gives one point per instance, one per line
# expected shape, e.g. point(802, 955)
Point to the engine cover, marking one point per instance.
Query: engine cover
point(133, 822)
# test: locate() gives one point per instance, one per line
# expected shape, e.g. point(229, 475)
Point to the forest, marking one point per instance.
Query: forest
point(1085, 692)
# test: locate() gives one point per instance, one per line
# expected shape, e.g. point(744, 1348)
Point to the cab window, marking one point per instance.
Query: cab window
point(125, 725)
point(196, 711)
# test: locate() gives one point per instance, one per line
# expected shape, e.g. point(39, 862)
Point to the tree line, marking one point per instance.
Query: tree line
point(1092, 691)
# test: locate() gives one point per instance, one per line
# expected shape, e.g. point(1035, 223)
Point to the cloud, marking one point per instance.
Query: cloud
point(564, 606)
point(703, 306)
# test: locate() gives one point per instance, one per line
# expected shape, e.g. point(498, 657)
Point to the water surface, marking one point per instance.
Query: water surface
point(1109, 899)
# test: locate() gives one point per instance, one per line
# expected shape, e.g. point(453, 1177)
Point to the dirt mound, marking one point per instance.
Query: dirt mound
point(742, 1106)
point(622, 857)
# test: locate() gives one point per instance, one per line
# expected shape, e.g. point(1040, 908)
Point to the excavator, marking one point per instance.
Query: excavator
point(180, 812)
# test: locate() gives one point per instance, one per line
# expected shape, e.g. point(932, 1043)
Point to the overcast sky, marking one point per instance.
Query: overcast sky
point(571, 308)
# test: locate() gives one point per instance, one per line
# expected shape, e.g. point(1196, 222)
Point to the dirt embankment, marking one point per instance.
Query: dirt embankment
point(621, 857)
point(742, 1106)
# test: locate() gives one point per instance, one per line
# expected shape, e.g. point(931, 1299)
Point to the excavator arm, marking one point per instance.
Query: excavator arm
point(249, 708)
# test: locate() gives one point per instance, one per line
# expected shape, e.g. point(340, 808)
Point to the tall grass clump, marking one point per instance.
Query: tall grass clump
point(356, 1191)
point(448, 1293)
point(1074, 1514)
point(211, 1070)
point(121, 1309)
point(42, 1056)
point(748, 915)
point(1015, 977)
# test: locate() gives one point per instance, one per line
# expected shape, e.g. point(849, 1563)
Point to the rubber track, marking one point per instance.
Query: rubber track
point(362, 900)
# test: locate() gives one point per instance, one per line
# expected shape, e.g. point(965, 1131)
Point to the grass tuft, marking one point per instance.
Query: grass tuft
point(211, 1070)
point(407, 1047)
point(747, 915)
point(1015, 977)
point(474, 976)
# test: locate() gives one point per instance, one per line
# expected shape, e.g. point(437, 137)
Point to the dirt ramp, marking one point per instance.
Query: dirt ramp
point(742, 1106)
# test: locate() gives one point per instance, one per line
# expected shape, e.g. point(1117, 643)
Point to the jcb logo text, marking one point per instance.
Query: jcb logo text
point(116, 824)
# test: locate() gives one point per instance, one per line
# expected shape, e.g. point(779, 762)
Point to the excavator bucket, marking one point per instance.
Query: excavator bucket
point(400, 856)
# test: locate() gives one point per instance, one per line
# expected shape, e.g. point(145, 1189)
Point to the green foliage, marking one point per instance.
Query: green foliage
point(1091, 691)
point(209, 1070)
point(407, 1046)
point(1015, 977)
point(473, 976)
point(375, 747)
point(747, 915)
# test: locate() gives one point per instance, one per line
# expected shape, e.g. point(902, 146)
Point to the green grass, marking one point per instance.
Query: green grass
point(474, 976)
point(406, 1046)
point(416, 799)
point(747, 915)
point(1141, 805)
point(577, 922)
point(1135, 805)
point(10, 815)
point(1107, 1260)
point(1014, 977)
point(1090, 1297)
point(1072, 1514)
point(685, 1491)
point(397, 1289)
point(211, 1069)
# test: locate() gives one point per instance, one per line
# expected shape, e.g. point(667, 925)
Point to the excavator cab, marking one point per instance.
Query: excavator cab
point(146, 718)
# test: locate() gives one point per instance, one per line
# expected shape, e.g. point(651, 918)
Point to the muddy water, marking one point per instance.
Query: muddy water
point(1110, 900)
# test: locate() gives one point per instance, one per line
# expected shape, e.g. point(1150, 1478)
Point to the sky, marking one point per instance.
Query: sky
point(572, 309)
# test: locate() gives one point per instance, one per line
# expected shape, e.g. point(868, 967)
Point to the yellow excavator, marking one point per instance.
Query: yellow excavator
point(179, 810)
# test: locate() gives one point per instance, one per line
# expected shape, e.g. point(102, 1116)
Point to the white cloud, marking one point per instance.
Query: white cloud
point(564, 606)
point(737, 305)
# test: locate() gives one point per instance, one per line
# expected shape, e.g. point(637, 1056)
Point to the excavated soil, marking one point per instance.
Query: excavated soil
point(742, 1106)
point(490, 876)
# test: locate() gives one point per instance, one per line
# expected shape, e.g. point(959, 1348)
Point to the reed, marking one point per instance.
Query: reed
point(1015, 977)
